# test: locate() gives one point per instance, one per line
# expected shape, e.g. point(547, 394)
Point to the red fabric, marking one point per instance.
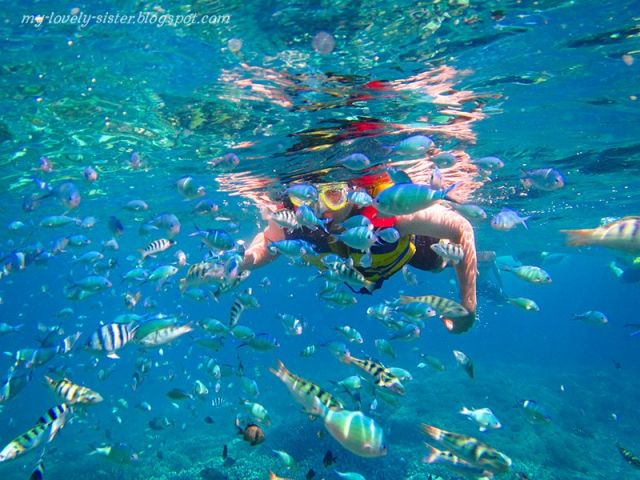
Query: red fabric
point(367, 181)
point(376, 85)
point(379, 222)
point(365, 126)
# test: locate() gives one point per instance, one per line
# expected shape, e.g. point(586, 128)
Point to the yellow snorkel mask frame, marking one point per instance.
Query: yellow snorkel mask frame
point(333, 196)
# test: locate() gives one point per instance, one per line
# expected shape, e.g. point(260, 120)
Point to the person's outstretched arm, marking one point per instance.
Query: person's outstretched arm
point(257, 254)
point(439, 221)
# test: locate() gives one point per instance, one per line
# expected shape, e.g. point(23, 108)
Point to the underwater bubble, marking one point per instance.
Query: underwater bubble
point(234, 45)
point(323, 43)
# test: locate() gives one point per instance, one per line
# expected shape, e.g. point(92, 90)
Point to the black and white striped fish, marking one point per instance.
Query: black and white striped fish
point(156, 247)
point(202, 273)
point(111, 337)
point(45, 429)
point(236, 310)
point(449, 251)
point(72, 393)
point(55, 417)
point(286, 219)
point(243, 301)
point(32, 438)
point(38, 472)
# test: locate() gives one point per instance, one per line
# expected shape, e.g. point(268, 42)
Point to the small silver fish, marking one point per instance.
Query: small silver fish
point(507, 219)
point(545, 179)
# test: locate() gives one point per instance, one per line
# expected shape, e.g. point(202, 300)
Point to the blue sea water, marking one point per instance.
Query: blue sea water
point(545, 84)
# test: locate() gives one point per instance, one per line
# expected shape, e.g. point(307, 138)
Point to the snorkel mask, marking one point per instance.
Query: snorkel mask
point(333, 196)
point(325, 196)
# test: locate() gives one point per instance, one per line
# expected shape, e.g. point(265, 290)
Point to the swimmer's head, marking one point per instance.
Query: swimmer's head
point(333, 196)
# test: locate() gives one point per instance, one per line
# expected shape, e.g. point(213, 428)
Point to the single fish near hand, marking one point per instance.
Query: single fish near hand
point(444, 306)
point(451, 252)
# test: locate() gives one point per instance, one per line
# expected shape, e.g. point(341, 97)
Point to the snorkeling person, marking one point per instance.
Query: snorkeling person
point(418, 231)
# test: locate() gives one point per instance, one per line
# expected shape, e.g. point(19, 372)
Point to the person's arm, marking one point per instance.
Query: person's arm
point(439, 221)
point(257, 254)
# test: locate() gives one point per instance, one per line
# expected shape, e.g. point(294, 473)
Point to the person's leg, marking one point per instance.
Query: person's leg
point(439, 221)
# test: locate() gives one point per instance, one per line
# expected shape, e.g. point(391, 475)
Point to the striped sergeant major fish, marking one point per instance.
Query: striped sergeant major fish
point(469, 449)
point(236, 310)
point(450, 252)
point(32, 438)
point(72, 393)
point(629, 456)
point(383, 377)
point(304, 392)
point(56, 417)
point(44, 430)
point(38, 472)
point(444, 306)
point(242, 302)
point(111, 337)
point(286, 219)
point(347, 273)
point(202, 273)
point(68, 343)
point(155, 247)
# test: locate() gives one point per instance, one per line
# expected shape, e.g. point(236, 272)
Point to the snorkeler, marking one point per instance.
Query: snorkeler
point(417, 232)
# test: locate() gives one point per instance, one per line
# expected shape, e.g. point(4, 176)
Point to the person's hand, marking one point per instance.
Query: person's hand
point(250, 258)
point(459, 324)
